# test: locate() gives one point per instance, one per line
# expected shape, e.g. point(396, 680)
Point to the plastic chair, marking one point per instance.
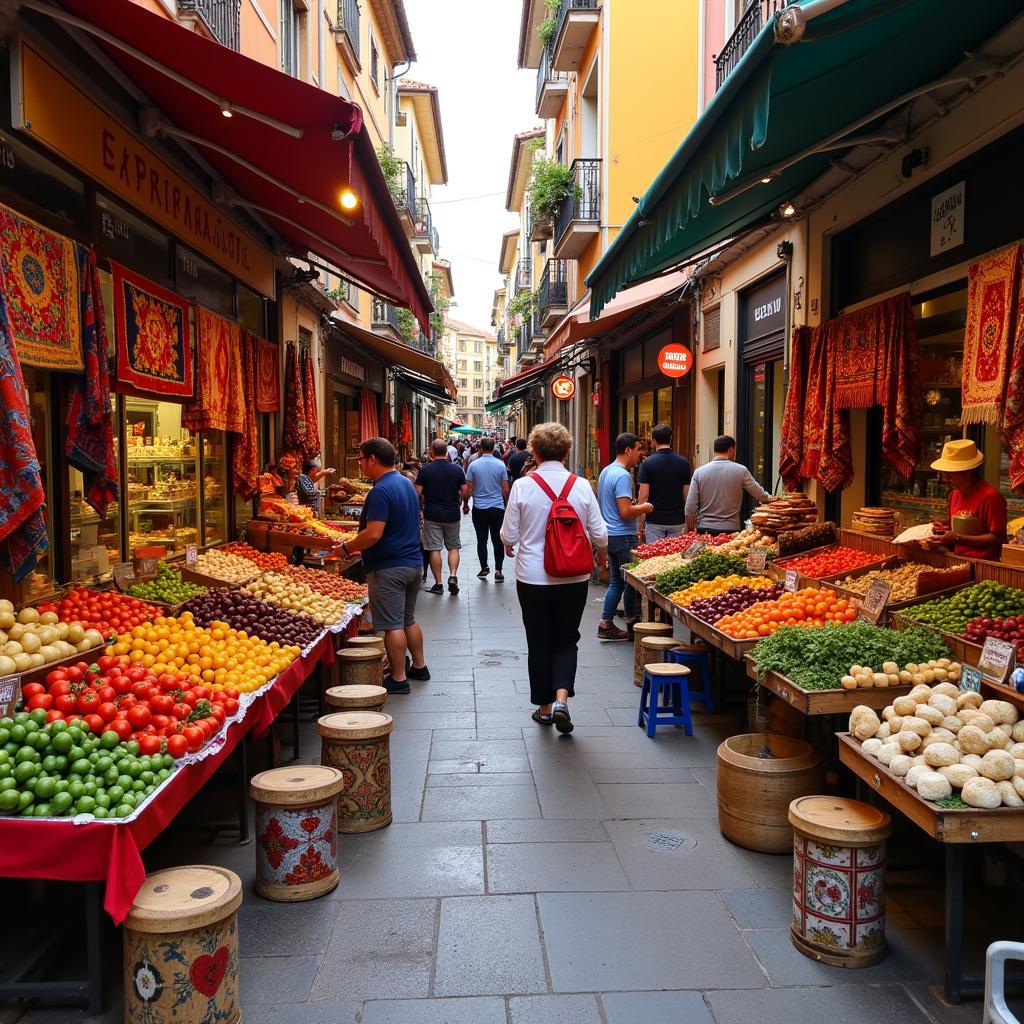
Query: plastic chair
point(696, 659)
point(673, 679)
point(996, 1011)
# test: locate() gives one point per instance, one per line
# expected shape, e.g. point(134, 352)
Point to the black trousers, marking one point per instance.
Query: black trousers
point(551, 617)
point(487, 521)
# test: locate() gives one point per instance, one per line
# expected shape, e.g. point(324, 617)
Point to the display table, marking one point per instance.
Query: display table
point(644, 591)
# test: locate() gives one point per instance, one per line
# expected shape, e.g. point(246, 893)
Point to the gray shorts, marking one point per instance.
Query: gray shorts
point(655, 531)
point(393, 596)
point(434, 536)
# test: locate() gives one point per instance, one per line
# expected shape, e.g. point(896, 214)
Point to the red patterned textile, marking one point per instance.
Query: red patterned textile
point(791, 447)
point(218, 403)
point(368, 424)
point(268, 376)
point(294, 427)
point(405, 434)
point(992, 285)
point(899, 391)
point(1012, 426)
point(311, 444)
point(245, 458)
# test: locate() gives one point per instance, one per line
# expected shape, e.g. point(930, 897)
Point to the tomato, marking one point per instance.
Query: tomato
point(181, 710)
point(74, 674)
point(107, 693)
point(168, 683)
point(149, 745)
point(30, 690)
point(88, 701)
point(56, 676)
point(201, 692)
point(107, 711)
point(122, 727)
point(66, 703)
point(159, 722)
point(40, 700)
point(136, 674)
point(59, 687)
point(107, 662)
point(177, 746)
point(161, 704)
point(217, 714)
point(53, 715)
point(230, 707)
point(230, 693)
point(127, 701)
point(95, 724)
point(190, 698)
point(139, 716)
point(194, 737)
point(122, 684)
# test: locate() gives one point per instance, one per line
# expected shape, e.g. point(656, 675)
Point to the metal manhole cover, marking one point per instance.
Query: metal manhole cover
point(664, 841)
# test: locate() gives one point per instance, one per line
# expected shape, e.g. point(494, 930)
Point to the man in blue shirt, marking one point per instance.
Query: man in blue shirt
point(517, 460)
point(487, 483)
point(615, 496)
point(389, 538)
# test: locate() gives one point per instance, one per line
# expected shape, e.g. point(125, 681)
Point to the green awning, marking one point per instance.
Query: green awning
point(778, 103)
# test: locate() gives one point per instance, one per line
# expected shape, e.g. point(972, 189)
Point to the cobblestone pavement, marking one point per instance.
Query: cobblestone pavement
point(519, 884)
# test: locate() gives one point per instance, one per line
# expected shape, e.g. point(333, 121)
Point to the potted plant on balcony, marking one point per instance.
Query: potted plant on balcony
point(391, 166)
point(548, 28)
point(521, 307)
point(552, 183)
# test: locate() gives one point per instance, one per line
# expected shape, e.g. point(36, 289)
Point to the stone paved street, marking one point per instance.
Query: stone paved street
point(515, 887)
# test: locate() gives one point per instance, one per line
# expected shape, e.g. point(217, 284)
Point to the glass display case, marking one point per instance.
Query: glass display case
point(215, 506)
point(95, 542)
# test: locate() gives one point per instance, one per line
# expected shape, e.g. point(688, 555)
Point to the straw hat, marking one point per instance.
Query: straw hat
point(958, 456)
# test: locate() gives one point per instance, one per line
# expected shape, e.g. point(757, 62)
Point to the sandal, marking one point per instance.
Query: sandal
point(541, 719)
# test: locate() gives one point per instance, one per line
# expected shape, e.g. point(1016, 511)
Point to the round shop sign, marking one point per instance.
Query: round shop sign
point(563, 388)
point(675, 360)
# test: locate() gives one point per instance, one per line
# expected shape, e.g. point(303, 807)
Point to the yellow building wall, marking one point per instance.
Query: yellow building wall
point(257, 41)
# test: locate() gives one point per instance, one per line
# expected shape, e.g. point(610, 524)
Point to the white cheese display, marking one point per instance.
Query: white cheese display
point(939, 740)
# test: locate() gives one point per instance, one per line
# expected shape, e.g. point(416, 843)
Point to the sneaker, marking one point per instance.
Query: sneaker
point(396, 686)
point(499, 576)
point(485, 571)
point(435, 589)
point(541, 719)
point(423, 674)
point(453, 585)
point(560, 716)
point(611, 632)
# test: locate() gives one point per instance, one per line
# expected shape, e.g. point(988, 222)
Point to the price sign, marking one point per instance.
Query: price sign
point(791, 581)
point(695, 549)
point(190, 555)
point(148, 566)
point(124, 575)
point(997, 659)
point(875, 600)
point(970, 679)
point(757, 558)
point(10, 691)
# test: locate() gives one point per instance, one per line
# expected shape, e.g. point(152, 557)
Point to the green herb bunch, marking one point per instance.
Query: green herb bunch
point(706, 566)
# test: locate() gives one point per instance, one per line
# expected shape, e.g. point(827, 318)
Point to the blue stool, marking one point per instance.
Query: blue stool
point(672, 678)
point(696, 659)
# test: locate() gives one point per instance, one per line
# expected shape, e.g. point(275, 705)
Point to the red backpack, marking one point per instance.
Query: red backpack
point(567, 550)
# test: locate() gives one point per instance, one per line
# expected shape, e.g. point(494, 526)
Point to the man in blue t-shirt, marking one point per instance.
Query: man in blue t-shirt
point(615, 496)
point(389, 538)
point(487, 483)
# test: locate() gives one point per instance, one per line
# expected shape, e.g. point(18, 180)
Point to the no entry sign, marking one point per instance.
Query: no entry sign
point(675, 360)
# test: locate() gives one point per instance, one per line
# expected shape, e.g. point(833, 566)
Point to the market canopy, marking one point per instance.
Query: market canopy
point(286, 149)
point(424, 386)
point(466, 430)
point(782, 113)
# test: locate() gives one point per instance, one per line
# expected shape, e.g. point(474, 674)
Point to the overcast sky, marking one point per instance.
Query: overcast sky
point(467, 48)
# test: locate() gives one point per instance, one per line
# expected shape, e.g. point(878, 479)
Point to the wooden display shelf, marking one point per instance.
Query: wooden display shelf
point(824, 702)
point(213, 582)
point(815, 581)
point(735, 649)
point(971, 825)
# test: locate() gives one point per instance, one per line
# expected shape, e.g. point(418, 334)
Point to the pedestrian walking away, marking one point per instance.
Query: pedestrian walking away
point(664, 480)
point(716, 491)
point(488, 485)
point(552, 607)
point(389, 539)
point(620, 514)
point(442, 486)
point(517, 460)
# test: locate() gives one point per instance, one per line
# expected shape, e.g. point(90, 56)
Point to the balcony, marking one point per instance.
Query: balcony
point(405, 198)
point(577, 19)
point(220, 18)
point(385, 315)
point(424, 234)
point(552, 87)
point(538, 229)
point(524, 274)
point(524, 349)
point(346, 32)
point(750, 24)
point(502, 339)
point(579, 216)
point(553, 293)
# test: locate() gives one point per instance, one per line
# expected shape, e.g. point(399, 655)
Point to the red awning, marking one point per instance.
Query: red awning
point(288, 149)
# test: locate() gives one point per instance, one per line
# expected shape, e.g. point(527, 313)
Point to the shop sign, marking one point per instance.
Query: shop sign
point(352, 368)
point(948, 219)
point(10, 691)
point(563, 388)
point(756, 559)
point(50, 108)
point(675, 360)
point(997, 659)
point(124, 575)
point(765, 306)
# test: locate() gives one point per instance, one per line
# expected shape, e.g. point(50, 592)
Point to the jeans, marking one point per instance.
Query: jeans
point(488, 521)
point(620, 553)
point(655, 531)
point(551, 617)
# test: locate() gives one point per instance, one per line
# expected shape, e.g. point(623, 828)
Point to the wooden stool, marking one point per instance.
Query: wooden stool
point(839, 880)
point(356, 742)
point(360, 665)
point(640, 630)
point(667, 676)
point(653, 648)
point(181, 948)
point(358, 697)
point(296, 825)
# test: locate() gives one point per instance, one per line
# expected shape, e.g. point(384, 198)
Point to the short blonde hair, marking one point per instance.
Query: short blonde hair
point(550, 441)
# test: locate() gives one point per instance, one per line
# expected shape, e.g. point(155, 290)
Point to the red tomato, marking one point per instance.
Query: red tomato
point(122, 684)
point(177, 746)
point(162, 704)
point(53, 715)
point(159, 722)
point(230, 707)
point(107, 662)
point(201, 692)
point(107, 693)
point(107, 711)
point(65, 703)
point(217, 714)
point(127, 701)
point(194, 736)
point(88, 701)
point(136, 673)
point(181, 710)
point(40, 700)
point(95, 724)
point(139, 716)
point(59, 687)
point(30, 690)
point(230, 693)
point(149, 745)
point(74, 674)
point(122, 727)
point(56, 676)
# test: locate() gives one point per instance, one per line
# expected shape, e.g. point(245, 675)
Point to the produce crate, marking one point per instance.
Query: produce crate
point(1008, 575)
point(1013, 554)
point(882, 546)
point(735, 649)
point(937, 558)
point(213, 582)
point(893, 606)
point(811, 581)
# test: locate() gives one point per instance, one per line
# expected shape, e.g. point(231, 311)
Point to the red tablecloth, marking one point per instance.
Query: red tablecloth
point(113, 853)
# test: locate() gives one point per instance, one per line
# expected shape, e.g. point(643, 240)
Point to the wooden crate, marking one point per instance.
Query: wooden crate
point(824, 702)
point(1013, 554)
point(868, 542)
point(998, 572)
point(213, 582)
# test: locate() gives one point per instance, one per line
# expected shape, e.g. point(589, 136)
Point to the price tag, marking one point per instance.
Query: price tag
point(190, 555)
point(148, 566)
point(970, 679)
point(875, 600)
point(757, 558)
point(10, 691)
point(694, 549)
point(791, 581)
point(124, 575)
point(997, 659)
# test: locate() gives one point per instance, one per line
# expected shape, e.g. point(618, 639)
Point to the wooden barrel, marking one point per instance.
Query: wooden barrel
point(356, 698)
point(368, 641)
point(754, 792)
point(356, 743)
point(360, 665)
point(640, 630)
point(296, 831)
point(181, 948)
point(654, 648)
point(839, 880)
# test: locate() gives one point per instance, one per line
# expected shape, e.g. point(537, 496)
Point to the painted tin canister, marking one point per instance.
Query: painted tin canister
point(363, 665)
point(357, 697)
point(296, 831)
point(357, 743)
point(181, 948)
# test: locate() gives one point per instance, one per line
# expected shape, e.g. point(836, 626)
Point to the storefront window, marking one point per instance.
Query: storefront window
point(664, 407)
point(37, 385)
point(95, 542)
point(215, 508)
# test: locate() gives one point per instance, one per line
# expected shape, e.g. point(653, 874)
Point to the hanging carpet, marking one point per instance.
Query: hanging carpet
point(218, 403)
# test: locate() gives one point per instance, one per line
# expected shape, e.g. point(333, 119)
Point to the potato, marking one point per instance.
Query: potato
point(890, 668)
point(974, 760)
point(997, 765)
point(82, 646)
point(23, 662)
point(908, 740)
point(931, 715)
point(958, 774)
point(911, 723)
point(28, 615)
point(883, 732)
point(47, 634)
point(16, 632)
point(900, 765)
point(946, 690)
point(981, 721)
point(916, 771)
point(1018, 784)
point(920, 694)
point(895, 724)
point(870, 746)
point(939, 755)
point(952, 723)
point(1008, 794)
point(1016, 750)
point(1000, 711)
point(6, 605)
point(943, 704)
point(1018, 732)
point(939, 735)
point(30, 642)
point(887, 751)
point(981, 792)
point(6, 620)
point(933, 786)
point(997, 740)
point(929, 675)
point(36, 660)
point(905, 677)
point(7, 666)
point(62, 630)
point(904, 705)
point(49, 653)
point(12, 649)
point(864, 722)
point(887, 713)
point(972, 740)
point(969, 700)
point(911, 667)
point(940, 675)
point(94, 636)
point(76, 633)
point(848, 683)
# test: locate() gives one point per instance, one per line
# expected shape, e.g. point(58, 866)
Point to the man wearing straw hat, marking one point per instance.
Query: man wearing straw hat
point(976, 527)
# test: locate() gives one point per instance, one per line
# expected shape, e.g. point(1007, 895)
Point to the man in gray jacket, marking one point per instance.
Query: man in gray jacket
point(716, 491)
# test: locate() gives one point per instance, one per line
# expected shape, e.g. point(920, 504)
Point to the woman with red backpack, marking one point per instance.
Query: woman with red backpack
point(552, 527)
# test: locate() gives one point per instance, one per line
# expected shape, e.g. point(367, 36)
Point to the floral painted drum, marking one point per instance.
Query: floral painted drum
point(839, 880)
point(296, 831)
point(181, 948)
point(357, 743)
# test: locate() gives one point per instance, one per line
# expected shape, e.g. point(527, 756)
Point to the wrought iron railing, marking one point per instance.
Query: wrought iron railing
point(385, 315)
point(501, 337)
point(221, 17)
point(348, 22)
point(524, 274)
point(574, 5)
point(405, 194)
point(525, 337)
point(750, 24)
point(584, 202)
point(545, 73)
point(554, 286)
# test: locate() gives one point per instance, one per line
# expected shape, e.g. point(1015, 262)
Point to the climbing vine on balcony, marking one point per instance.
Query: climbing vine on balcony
point(391, 166)
point(438, 300)
point(406, 324)
point(549, 26)
point(521, 307)
point(552, 183)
